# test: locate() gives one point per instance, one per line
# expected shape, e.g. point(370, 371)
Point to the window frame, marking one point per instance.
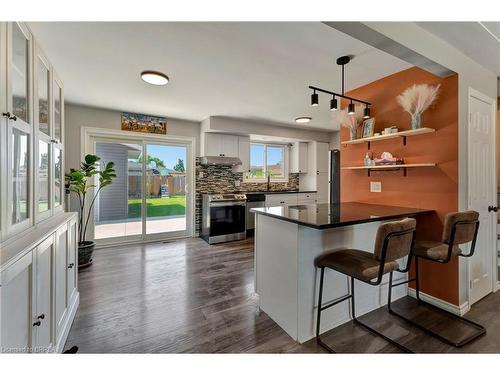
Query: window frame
point(286, 156)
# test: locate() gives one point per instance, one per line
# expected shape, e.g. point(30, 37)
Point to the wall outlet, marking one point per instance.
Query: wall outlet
point(237, 183)
point(200, 175)
point(375, 187)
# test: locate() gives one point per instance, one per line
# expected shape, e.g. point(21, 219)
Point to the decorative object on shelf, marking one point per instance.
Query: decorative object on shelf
point(81, 181)
point(387, 159)
point(416, 99)
point(369, 159)
point(143, 123)
point(342, 61)
point(368, 127)
point(352, 122)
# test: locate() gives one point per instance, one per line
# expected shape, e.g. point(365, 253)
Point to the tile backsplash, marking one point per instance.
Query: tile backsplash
point(218, 179)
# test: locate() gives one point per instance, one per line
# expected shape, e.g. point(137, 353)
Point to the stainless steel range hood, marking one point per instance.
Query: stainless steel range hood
point(220, 160)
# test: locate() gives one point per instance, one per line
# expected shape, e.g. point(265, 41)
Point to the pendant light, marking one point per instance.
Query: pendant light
point(314, 99)
point(333, 104)
point(366, 112)
point(350, 109)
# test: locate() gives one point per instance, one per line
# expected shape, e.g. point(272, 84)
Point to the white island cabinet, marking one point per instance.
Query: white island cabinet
point(289, 238)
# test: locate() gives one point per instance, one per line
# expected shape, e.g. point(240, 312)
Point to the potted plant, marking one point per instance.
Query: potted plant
point(81, 182)
point(416, 99)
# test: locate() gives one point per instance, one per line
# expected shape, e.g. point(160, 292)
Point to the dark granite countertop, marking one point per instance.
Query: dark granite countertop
point(324, 216)
point(277, 192)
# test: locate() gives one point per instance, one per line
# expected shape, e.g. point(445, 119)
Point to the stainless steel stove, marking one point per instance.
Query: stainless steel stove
point(224, 217)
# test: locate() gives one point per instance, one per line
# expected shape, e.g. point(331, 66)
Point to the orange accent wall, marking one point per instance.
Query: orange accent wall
point(434, 187)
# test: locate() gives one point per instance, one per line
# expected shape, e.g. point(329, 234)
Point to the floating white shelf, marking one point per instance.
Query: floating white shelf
point(402, 134)
point(389, 167)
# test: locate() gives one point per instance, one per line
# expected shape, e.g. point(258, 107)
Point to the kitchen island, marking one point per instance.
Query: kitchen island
point(289, 238)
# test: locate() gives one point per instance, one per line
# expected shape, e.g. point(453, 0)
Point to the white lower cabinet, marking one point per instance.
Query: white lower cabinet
point(17, 306)
point(43, 326)
point(38, 293)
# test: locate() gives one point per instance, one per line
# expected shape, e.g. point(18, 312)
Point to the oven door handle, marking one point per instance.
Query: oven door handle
point(227, 204)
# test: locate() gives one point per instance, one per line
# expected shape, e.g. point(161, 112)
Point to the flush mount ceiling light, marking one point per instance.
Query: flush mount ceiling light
point(154, 78)
point(342, 61)
point(303, 119)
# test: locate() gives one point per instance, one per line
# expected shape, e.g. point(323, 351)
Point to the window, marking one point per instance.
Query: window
point(267, 159)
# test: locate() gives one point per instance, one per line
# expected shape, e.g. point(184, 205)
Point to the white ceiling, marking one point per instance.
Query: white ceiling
point(478, 40)
point(258, 71)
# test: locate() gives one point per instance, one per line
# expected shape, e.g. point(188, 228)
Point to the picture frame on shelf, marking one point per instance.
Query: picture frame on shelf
point(368, 127)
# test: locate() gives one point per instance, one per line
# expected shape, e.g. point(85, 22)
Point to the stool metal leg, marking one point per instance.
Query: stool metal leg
point(353, 311)
point(372, 330)
point(480, 330)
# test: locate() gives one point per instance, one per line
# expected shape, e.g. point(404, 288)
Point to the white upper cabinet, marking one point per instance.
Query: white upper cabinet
point(216, 144)
point(299, 158)
point(243, 154)
point(31, 132)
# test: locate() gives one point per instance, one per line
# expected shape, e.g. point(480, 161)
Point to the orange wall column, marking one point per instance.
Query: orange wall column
point(433, 187)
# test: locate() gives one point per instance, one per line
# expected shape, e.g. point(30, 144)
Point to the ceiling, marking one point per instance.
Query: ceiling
point(259, 71)
point(478, 40)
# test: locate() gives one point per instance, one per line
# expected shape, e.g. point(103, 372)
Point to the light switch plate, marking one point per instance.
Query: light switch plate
point(237, 183)
point(375, 187)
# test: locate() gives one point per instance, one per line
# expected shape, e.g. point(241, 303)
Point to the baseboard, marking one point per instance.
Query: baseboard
point(454, 309)
point(67, 325)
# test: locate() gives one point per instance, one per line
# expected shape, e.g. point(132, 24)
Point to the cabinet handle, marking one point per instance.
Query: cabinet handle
point(71, 265)
point(10, 116)
point(42, 316)
point(37, 323)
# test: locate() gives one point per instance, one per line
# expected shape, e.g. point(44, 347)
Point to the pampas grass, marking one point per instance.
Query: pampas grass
point(351, 121)
point(417, 98)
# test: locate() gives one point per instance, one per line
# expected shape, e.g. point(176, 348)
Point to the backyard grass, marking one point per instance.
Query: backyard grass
point(158, 207)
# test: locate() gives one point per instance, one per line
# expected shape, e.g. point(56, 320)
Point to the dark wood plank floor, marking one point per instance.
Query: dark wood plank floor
point(187, 296)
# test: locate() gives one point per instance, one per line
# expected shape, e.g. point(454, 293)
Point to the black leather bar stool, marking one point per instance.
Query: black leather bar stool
point(459, 228)
point(395, 240)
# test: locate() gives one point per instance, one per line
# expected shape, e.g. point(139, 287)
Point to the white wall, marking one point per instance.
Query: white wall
point(77, 116)
point(470, 74)
point(247, 127)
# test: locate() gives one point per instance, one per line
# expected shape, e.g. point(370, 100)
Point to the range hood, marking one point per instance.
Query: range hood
point(220, 160)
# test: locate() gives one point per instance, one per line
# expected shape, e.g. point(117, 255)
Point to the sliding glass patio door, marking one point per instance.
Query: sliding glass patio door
point(148, 198)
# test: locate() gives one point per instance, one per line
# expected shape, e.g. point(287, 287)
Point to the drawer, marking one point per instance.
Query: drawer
point(281, 199)
point(306, 198)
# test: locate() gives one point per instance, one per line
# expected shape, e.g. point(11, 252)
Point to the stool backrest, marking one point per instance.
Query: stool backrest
point(460, 227)
point(398, 239)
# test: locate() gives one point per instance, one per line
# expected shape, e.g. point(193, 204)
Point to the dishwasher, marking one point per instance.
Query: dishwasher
point(253, 201)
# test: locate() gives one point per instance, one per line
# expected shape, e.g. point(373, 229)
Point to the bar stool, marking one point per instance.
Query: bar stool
point(459, 228)
point(395, 240)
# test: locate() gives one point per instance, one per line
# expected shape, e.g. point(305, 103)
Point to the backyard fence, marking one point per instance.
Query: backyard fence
point(175, 184)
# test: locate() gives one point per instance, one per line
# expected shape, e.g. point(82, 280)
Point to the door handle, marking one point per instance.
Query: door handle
point(37, 324)
point(10, 116)
point(492, 208)
point(71, 265)
point(41, 316)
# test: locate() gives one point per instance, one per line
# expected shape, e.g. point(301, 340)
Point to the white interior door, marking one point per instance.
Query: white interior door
point(481, 172)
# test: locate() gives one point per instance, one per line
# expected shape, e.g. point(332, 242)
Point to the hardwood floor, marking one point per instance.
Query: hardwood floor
point(188, 296)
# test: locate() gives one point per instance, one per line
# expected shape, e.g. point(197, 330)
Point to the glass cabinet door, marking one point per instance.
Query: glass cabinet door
point(19, 73)
point(43, 81)
point(43, 182)
point(19, 127)
point(20, 176)
point(57, 111)
point(57, 176)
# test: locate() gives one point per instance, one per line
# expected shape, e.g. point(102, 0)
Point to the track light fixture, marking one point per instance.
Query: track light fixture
point(342, 61)
point(314, 99)
point(351, 109)
point(366, 112)
point(333, 104)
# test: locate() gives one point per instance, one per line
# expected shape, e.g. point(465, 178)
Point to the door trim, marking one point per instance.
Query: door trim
point(490, 101)
point(86, 146)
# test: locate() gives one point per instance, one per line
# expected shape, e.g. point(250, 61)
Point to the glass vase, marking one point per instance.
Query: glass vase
point(352, 133)
point(415, 121)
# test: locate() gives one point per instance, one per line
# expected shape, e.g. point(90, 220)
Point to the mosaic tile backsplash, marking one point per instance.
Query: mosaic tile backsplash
point(219, 179)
